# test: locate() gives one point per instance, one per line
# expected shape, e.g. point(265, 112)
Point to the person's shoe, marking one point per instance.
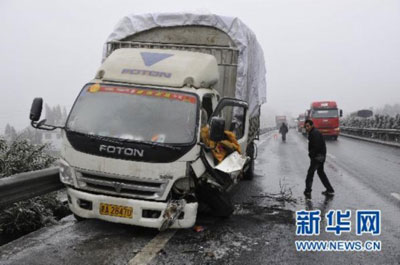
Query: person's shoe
point(328, 193)
point(307, 193)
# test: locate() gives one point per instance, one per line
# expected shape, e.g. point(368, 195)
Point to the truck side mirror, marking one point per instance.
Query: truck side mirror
point(217, 127)
point(36, 109)
point(341, 113)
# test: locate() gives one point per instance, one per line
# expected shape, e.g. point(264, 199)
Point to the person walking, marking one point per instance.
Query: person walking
point(317, 154)
point(283, 130)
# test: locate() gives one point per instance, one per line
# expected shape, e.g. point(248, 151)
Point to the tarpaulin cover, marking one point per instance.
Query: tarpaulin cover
point(251, 71)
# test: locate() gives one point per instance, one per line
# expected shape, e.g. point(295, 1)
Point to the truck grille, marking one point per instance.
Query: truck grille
point(115, 185)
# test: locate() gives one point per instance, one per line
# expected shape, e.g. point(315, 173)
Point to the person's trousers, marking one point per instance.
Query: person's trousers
point(319, 167)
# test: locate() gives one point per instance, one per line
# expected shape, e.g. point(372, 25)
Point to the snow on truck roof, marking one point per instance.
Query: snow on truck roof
point(251, 71)
point(153, 66)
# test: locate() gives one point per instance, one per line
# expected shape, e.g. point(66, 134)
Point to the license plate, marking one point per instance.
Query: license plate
point(116, 210)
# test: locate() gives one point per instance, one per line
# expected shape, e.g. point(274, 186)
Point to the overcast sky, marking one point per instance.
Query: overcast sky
point(342, 50)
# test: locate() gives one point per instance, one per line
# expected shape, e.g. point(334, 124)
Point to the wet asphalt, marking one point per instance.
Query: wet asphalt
point(262, 228)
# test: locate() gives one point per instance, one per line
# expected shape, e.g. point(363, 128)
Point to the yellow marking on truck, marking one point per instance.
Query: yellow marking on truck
point(94, 88)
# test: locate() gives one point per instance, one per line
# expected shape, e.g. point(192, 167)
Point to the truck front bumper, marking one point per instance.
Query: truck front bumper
point(329, 132)
point(87, 205)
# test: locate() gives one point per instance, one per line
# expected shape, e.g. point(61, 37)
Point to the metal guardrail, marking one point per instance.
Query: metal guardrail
point(377, 130)
point(28, 185)
point(389, 135)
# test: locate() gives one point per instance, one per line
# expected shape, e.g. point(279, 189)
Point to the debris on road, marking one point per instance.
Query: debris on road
point(198, 228)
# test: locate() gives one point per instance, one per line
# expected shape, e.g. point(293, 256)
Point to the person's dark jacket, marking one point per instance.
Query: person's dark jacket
point(316, 144)
point(283, 129)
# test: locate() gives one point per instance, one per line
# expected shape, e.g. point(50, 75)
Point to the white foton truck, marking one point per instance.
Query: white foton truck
point(138, 142)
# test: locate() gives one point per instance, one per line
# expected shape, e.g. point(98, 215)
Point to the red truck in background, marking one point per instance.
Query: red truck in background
point(300, 123)
point(325, 115)
point(279, 120)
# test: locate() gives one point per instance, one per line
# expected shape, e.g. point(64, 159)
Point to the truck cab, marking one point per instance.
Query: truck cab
point(135, 134)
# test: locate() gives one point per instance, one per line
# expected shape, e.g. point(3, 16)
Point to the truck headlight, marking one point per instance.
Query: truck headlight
point(183, 185)
point(66, 173)
point(337, 129)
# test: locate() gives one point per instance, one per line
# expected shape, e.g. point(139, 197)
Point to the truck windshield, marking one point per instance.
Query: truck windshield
point(324, 113)
point(146, 115)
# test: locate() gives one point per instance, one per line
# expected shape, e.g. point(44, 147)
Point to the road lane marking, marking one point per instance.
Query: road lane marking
point(152, 248)
point(262, 140)
point(396, 195)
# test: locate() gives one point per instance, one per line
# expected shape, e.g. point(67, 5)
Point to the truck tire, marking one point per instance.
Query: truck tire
point(218, 201)
point(78, 218)
point(249, 173)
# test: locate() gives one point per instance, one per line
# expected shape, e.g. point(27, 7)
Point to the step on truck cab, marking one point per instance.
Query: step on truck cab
point(133, 144)
point(325, 116)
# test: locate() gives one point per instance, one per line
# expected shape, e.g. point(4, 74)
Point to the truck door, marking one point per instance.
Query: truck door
point(235, 114)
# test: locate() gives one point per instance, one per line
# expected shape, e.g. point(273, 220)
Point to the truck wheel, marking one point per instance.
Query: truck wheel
point(217, 201)
point(249, 173)
point(78, 218)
